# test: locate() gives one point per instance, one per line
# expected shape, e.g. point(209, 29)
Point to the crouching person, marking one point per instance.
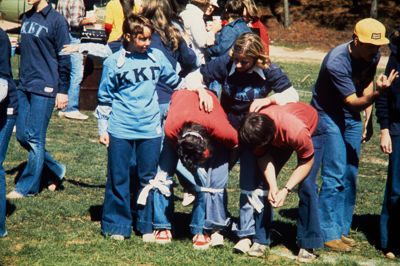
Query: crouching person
point(202, 140)
point(273, 134)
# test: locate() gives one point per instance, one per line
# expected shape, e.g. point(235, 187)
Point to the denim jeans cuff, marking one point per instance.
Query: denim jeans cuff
point(144, 227)
point(195, 229)
point(330, 235)
point(243, 233)
point(162, 226)
point(265, 242)
point(213, 225)
point(311, 242)
point(116, 229)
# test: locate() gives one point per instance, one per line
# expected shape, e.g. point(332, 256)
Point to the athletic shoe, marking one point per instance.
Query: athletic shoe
point(61, 114)
point(390, 255)
point(149, 238)
point(306, 256)
point(163, 236)
point(201, 242)
point(243, 246)
point(14, 195)
point(188, 199)
point(217, 239)
point(257, 250)
point(75, 115)
point(117, 237)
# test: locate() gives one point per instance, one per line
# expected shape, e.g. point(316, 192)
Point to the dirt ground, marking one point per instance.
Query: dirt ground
point(323, 24)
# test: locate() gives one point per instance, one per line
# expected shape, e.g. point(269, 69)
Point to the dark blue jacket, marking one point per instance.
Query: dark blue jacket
point(225, 39)
point(388, 103)
point(183, 55)
point(240, 89)
point(43, 34)
point(9, 105)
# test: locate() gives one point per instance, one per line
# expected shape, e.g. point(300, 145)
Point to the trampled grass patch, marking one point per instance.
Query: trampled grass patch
point(63, 228)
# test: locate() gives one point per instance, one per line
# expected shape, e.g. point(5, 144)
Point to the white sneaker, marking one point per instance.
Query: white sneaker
point(14, 195)
point(117, 237)
point(217, 239)
point(76, 115)
point(188, 199)
point(257, 250)
point(149, 238)
point(243, 246)
point(61, 114)
point(306, 256)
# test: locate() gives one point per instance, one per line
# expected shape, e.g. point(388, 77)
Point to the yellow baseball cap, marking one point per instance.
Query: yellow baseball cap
point(371, 31)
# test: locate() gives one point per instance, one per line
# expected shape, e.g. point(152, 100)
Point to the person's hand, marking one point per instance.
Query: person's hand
point(280, 198)
point(386, 141)
point(104, 139)
point(206, 101)
point(216, 26)
point(70, 49)
point(61, 100)
point(90, 20)
point(258, 104)
point(368, 131)
point(273, 191)
point(383, 82)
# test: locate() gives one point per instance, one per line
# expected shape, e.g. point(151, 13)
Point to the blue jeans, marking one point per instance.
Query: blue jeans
point(339, 175)
point(76, 77)
point(209, 209)
point(309, 234)
point(390, 215)
point(252, 223)
point(34, 113)
point(6, 127)
point(117, 216)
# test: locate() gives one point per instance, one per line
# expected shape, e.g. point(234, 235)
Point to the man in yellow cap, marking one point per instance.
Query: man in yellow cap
point(344, 88)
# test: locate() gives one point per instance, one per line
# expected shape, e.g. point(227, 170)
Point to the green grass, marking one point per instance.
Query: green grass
point(63, 228)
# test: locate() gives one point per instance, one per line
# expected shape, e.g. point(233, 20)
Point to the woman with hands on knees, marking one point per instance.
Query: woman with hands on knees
point(248, 77)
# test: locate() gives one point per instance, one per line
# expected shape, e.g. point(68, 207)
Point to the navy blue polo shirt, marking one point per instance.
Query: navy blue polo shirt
point(43, 34)
point(340, 76)
point(10, 103)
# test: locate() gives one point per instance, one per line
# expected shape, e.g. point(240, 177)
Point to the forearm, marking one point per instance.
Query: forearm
point(287, 96)
point(300, 173)
point(267, 167)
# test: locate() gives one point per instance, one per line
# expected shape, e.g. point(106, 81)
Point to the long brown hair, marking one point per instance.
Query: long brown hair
point(127, 7)
point(160, 13)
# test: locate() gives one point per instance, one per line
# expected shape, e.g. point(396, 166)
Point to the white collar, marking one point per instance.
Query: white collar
point(256, 69)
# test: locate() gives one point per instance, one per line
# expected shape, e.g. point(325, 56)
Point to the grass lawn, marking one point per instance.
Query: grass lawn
point(63, 228)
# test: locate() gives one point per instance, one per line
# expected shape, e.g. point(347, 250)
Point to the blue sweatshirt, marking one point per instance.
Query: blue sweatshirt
point(43, 34)
point(128, 85)
point(240, 89)
point(9, 105)
point(184, 55)
point(225, 39)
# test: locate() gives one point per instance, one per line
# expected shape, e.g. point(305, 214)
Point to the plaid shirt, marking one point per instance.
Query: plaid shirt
point(72, 10)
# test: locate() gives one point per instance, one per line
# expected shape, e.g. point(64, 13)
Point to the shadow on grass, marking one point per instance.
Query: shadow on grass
point(369, 225)
point(10, 209)
point(82, 184)
point(95, 212)
point(18, 169)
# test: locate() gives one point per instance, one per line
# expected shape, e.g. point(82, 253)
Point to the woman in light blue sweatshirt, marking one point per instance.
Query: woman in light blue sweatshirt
point(129, 125)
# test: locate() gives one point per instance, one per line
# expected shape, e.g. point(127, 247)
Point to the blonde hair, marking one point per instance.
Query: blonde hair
point(160, 12)
point(250, 45)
